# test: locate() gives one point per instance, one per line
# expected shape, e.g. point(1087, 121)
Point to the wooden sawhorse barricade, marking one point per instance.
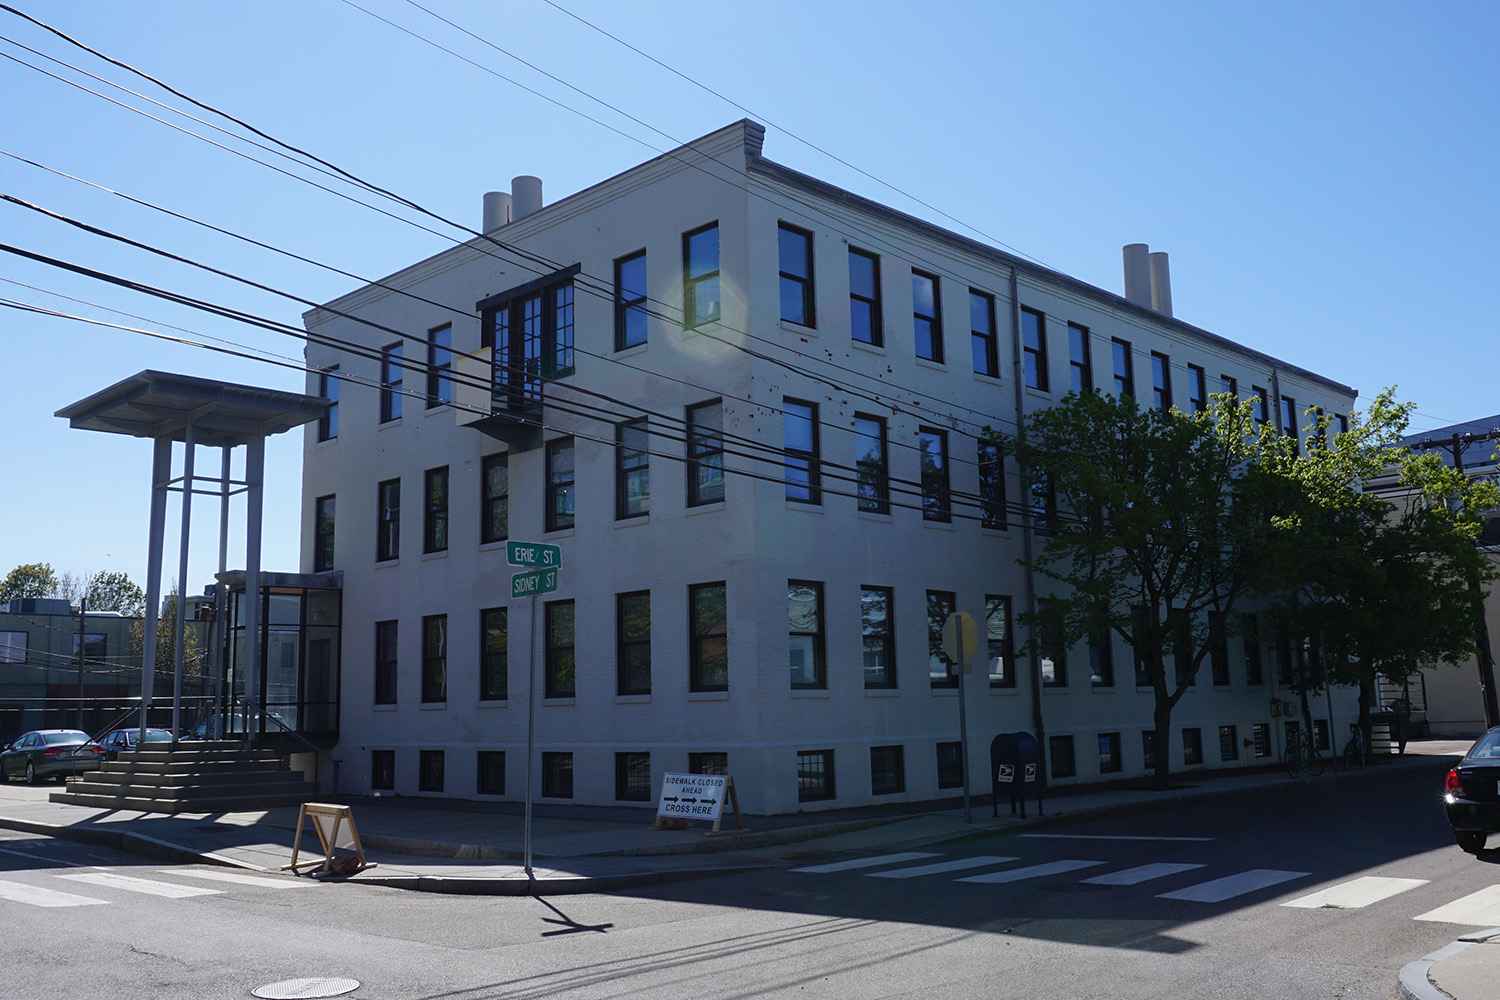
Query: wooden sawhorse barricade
point(336, 831)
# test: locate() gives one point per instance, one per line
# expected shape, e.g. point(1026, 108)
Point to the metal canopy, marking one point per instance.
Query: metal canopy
point(155, 404)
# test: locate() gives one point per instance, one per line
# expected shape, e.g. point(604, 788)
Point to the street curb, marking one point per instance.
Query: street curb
point(1413, 983)
point(481, 886)
point(133, 843)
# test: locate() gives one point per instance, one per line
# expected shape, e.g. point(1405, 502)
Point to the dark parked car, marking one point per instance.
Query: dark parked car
point(50, 753)
point(129, 739)
point(1471, 793)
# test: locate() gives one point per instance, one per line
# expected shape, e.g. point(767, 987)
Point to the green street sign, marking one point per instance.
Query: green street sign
point(532, 554)
point(533, 582)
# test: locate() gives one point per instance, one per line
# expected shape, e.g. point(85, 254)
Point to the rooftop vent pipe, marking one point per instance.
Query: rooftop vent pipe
point(1161, 284)
point(1137, 273)
point(526, 196)
point(497, 209)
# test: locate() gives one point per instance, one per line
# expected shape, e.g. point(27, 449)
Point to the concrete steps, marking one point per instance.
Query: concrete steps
point(197, 776)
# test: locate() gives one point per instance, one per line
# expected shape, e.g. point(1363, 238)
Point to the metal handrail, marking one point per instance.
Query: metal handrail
point(335, 761)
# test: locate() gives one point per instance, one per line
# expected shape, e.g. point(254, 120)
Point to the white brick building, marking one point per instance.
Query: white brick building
point(772, 619)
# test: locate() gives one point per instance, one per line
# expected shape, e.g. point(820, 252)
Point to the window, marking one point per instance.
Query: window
point(927, 320)
point(1184, 667)
point(887, 770)
point(700, 276)
point(390, 383)
point(633, 642)
point(530, 331)
point(796, 254)
point(1320, 734)
point(1218, 648)
point(1161, 381)
point(708, 651)
point(630, 301)
point(940, 604)
point(1261, 405)
point(328, 388)
point(430, 771)
point(1254, 672)
point(804, 611)
point(388, 520)
point(997, 639)
point(1148, 748)
point(632, 469)
point(814, 775)
point(1197, 388)
point(1229, 743)
point(799, 427)
point(950, 765)
point(1341, 422)
point(560, 650)
point(874, 481)
point(435, 658)
point(494, 500)
point(95, 646)
point(435, 511)
point(1043, 500)
point(633, 777)
point(494, 654)
point(1124, 368)
point(491, 772)
point(439, 365)
point(1101, 657)
point(936, 499)
point(557, 775)
point(1054, 658)
point(382, 770)
point(708, 763)
point(864, 298)
point(1192, 746)
point(1138, 632)
point(1034, 348)
point(878, 637)
point(13, 647)
point(1229, 386)
point(1289, 422)
point(1080, 360)
point(982, 334)
point(991, 486)
point(1260, 739)
point(323, 523)
point(386, 637)
point(1109, 754)
point(705, 467)
point(1060, 752)
point(560, 484)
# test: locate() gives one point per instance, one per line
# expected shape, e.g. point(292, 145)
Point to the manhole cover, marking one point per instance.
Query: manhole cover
point(307, 989)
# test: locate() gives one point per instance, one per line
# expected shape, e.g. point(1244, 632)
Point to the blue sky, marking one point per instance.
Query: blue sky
point(1321, 174)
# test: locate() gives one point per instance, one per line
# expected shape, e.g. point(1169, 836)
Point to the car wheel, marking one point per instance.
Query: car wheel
point(1470, 840)
point(30, 773)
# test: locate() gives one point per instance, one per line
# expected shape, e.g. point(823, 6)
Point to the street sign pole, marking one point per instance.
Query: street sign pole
point(960, 639)
point(544, 561)
point(530, 736)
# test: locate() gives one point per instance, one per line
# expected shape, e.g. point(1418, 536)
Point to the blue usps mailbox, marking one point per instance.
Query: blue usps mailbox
point(1015, 771)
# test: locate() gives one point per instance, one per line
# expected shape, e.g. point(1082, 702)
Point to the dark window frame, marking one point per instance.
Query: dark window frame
point(436, 499)
point(1111, 759)
point(946, 600)
point(1229, 743)
point(819, 665)
point(698, 661)
point(434, 659)
point(561, 489)
point(561, 657)
point(388, 520)
point(705, 452)
point(430, 767)
point(1080, 359)
point(387, 661)
point(870, 302)
point(692, 281)
point(392, 376)
point(873, 477)
point(494, 658)
point(1161, 381)
point(803, 282)
point(881, 641)
point(557, 774)
point(991, 465)
point(632, 649)
point(325, 528)
point(888, 769)
point(1062, 761)
point(1197, 388)
point(632, 469)
point(1192, 746)
point(950, 764)
point(1000, 649)
point(489, 772)
point(815, 776)
point(808, 458)
point(1289, 423)
point(328, 388)
point(1102, 658)
point(1122, 362)
point(382, 770)
point(440, 365)
point(937, 493)
point(629, 784)
point(494, 505)
point(632, 315)
point(984, 344)
point(933, 321)
point(1034, 349)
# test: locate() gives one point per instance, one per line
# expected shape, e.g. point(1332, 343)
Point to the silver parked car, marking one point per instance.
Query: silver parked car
point(130, 739)
point(50, 753)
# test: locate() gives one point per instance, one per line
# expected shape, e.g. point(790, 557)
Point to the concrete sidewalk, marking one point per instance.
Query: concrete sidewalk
point(450, 846)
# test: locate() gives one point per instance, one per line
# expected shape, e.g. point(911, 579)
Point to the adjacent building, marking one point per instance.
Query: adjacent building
point(749, 408)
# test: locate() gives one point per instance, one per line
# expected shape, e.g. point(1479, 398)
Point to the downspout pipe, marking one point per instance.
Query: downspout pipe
point(1027, 543)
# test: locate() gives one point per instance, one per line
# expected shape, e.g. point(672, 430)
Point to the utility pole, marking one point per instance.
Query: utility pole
point(82, 641)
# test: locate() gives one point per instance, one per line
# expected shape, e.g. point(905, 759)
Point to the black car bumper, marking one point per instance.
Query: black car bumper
point(1466, 814)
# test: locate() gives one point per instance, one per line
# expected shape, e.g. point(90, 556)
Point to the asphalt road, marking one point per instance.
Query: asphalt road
point(1147, 926)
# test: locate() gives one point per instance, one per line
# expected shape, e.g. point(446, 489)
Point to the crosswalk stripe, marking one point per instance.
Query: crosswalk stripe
point(239, 879)
point(884, 859)
point(958, 864)
point(1480, 908)
point(1034, 871)
point(1356, 893)
point(1145, 873)
point(1230, 886)
point(132, 884)
point(32, 895)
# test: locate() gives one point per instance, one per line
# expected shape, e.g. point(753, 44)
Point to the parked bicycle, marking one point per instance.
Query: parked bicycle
point(1302, 755)
point(1354, 750)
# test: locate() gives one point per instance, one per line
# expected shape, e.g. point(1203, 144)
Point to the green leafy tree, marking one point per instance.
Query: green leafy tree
point(28, 580)
point(104, 591)
point(1155, 525)
point(1383, 574)
point(194, 649)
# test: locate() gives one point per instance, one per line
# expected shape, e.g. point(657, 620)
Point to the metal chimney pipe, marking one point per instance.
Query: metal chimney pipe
point(1136, 258)
point(497, 209)
point(1161, 284)
point(526, 196)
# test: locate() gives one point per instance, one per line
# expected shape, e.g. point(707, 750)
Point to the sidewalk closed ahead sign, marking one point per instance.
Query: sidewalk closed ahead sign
point(692, 796)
